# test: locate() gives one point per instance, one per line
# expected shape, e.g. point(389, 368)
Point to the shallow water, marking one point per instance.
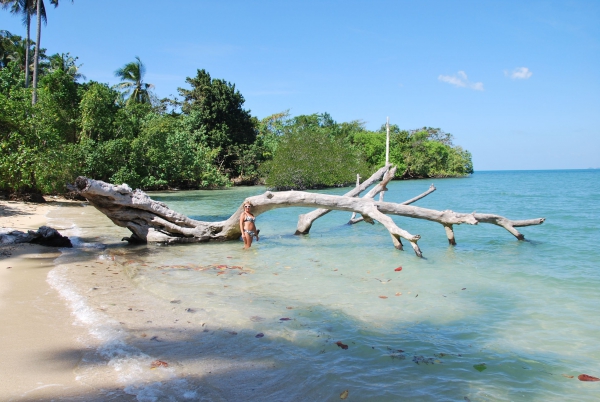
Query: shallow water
point(492, 318)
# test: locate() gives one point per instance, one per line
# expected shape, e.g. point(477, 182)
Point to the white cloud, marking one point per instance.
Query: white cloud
point(461, 80)
point(519, 73)
point(478, 86)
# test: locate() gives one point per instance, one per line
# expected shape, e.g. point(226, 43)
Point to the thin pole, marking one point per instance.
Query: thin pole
point(387, 149)
point(387, 141)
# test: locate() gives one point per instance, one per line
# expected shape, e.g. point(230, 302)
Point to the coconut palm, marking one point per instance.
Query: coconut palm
point(13, 49)
point(26, 8)
point(39, 7)
point(67, 63)
point(132, 75)
point(8, 48)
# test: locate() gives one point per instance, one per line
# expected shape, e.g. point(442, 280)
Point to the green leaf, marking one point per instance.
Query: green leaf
point(480, 367)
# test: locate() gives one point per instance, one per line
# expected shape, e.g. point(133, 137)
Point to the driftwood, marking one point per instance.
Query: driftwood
point(377, 189)
point(305, 221)
point(153, 221)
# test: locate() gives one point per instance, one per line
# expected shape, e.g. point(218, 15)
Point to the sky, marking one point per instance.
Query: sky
point(517, 83)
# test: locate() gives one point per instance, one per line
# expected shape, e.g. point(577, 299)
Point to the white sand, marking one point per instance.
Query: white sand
point(39, 344)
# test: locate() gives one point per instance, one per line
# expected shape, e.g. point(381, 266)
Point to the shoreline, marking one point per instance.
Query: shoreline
point(42, 346)
point(522, 308)
point(72, 336)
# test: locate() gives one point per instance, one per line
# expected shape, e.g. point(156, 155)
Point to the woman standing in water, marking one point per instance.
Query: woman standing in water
point(247, 226)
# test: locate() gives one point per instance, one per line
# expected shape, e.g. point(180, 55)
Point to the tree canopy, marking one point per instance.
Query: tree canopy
point(215, 107)
point(204, 139)
point(213, 111)
point(311, 153)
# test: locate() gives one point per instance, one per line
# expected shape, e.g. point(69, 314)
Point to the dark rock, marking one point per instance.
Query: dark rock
point(10, 236)
point(34, 197)
point(47, 236)
point(28, 197)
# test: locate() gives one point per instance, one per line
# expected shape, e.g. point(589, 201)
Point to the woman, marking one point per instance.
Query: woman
point(247, 226)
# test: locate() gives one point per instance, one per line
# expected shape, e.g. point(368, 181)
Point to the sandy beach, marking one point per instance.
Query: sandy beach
point(77, 329)
point(41, 347)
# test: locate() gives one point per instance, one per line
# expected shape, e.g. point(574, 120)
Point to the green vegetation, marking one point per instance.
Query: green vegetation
point(132, 74)
point(205, 140)
point(313, 152)
point(422, 153)
point(213, 113)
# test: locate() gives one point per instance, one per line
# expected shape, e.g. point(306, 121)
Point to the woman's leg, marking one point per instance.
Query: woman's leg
point(247, 239)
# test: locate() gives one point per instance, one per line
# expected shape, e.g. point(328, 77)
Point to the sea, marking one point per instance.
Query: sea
point(340, 314)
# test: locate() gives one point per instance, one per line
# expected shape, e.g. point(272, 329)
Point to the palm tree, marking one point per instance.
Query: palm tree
point(132, 74)
point(27, 8)
point(67, 63)
point(14, 48)
point(39, 8)
point(8, 48)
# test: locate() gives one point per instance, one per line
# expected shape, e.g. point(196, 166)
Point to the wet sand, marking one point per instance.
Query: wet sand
point(41, 347)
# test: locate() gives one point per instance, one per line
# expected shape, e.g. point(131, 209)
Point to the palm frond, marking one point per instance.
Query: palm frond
point(132, 75)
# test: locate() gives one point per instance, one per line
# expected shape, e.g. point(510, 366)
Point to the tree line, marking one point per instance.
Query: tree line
point(204, 138)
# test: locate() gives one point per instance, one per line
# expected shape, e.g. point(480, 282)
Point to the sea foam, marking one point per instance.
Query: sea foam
point(107, 345)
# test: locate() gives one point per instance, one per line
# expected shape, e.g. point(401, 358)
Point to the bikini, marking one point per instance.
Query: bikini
point(252, 233)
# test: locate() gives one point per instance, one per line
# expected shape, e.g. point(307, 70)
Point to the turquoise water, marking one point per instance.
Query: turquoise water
point(490, 319)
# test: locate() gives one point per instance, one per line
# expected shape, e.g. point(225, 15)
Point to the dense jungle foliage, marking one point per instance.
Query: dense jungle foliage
point(203, 139)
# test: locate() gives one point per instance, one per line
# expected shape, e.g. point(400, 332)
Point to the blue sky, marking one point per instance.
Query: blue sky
point(516, 82)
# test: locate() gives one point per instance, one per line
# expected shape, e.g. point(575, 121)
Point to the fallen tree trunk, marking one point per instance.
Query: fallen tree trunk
point(153, 221)
point(430, 190)
point(379, 189)
point(305, 221)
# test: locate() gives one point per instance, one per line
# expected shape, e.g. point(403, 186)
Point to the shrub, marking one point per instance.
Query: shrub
point(310, 158)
